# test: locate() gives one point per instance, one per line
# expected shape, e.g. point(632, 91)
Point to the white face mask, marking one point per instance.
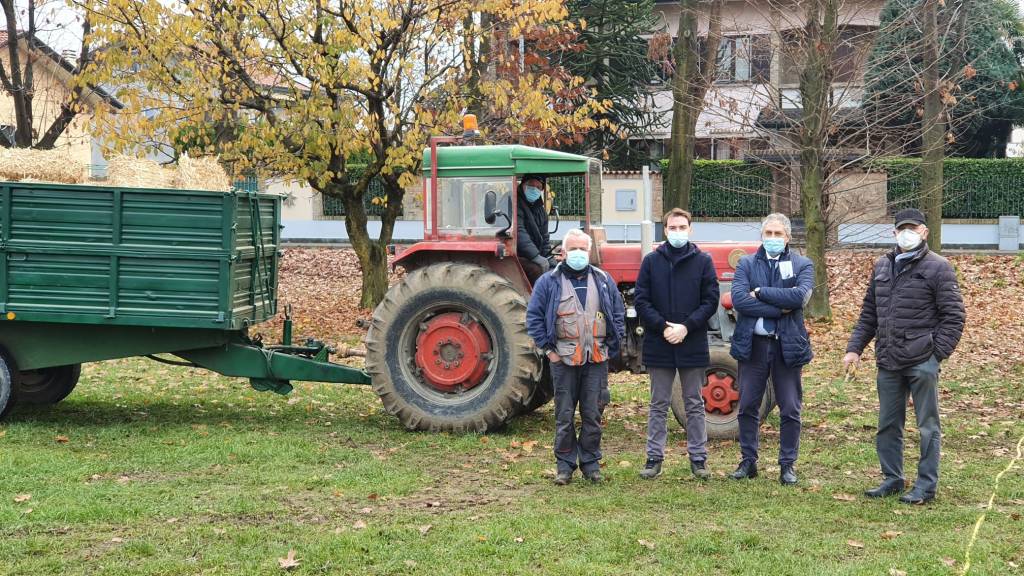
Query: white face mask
point(908, 239)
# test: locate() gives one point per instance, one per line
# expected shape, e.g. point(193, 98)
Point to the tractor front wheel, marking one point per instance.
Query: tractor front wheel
point(721, 394)
point(447, 350)
point(48, 385)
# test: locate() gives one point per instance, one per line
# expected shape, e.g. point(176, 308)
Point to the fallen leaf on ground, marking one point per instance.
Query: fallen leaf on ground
point(62, 439)
point(359, 525)
point(410, 563)
point(646, 544)
point(895, 572)
point(528, 446)
point(481, 538)
point(116, 540)
point(373, 496)
point(625, 464)
point(855, 543)
point(948, 561)
point(366, 510)
point(22, 498)
point(425, 528)
point(890, 534)
point(844, 497)
point(519, 539)
point(289, 561)
point(172, 520)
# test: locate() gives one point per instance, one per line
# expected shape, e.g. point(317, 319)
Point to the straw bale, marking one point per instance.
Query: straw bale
point(203, 173)
point(40, 166)
point(130, 172)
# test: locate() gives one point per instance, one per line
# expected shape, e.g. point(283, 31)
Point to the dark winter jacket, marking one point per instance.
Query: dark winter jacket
point(542, 310)
point(912, 314)
point(676, 285)
point(532, 237)
point(780, 299)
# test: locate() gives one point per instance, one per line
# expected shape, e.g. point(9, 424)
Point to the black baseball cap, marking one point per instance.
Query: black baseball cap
point(909, 216)
point(542, 178)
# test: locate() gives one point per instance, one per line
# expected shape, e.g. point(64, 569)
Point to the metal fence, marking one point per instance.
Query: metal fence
point(569, 195)
point(247, 183)
point(373, 201)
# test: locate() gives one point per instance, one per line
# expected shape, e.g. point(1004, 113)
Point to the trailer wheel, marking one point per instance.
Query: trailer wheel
point(447, 350)
point(7, 389)
point(721, 397)
point(48, 385)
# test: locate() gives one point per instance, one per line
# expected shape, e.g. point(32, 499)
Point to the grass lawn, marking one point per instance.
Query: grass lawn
point(149, 469)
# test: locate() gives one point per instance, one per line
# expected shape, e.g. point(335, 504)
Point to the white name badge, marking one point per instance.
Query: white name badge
point(786, 269)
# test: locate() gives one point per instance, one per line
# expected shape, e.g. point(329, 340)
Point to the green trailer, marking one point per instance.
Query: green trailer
point(90, 273)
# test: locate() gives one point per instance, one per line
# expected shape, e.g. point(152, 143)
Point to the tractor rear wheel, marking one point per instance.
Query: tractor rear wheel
point(543, 391)
point(721, 394)
point(447, 350)
point(48, 385)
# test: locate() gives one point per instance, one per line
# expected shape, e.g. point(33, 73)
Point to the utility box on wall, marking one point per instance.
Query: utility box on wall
point(1009, 233)
point(625, 200)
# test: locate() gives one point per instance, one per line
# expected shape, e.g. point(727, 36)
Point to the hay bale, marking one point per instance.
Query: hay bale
point(19, 164)
point(130, 172)
point(203, 173)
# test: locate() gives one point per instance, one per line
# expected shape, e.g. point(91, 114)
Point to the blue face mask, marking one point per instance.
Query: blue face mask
point(577, 259)
point(677, 238)
point(774, 246)
point(532, 193)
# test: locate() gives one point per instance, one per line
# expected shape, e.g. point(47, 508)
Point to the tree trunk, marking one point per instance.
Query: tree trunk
point(815, 90)
point(691, 79)
point(933, 128)
point(371, 253)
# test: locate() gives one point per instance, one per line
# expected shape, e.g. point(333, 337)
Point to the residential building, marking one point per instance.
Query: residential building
point(757, 86)
point(52, 79)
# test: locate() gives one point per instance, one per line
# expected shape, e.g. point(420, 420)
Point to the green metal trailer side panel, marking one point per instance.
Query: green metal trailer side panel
point(35, 345)
point(138, 257)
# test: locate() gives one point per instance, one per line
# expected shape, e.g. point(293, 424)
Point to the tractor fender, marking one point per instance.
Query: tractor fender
point(492, 255)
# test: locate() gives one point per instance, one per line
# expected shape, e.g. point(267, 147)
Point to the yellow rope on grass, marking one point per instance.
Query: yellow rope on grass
point(991, 501)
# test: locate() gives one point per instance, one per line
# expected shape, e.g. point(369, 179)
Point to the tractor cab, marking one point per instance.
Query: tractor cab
point(470, 197)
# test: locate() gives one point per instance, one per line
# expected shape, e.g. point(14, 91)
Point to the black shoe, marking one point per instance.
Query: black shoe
point(916, 496)
point(787, 477)
point(594, 477)
point(890, 487)
point(746, 469)
point(651, 470)
point(699, 470)
point(563, 478)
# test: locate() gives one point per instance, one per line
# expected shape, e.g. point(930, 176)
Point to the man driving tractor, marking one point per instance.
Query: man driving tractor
point(533, 241)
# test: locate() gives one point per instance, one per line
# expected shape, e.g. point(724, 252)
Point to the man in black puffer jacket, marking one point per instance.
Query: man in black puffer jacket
point(915, 313)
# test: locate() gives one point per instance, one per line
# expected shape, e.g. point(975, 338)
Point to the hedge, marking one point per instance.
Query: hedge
point(728, 189)
point(982, 188)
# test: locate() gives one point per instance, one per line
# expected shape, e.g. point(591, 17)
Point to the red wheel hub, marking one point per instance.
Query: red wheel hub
point(453, 352)
point(720, 392)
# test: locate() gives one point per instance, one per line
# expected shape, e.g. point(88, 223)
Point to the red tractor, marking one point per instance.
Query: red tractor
point(447, 349)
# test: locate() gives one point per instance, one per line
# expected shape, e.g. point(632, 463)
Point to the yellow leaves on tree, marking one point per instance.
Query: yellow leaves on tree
point(334, 95)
